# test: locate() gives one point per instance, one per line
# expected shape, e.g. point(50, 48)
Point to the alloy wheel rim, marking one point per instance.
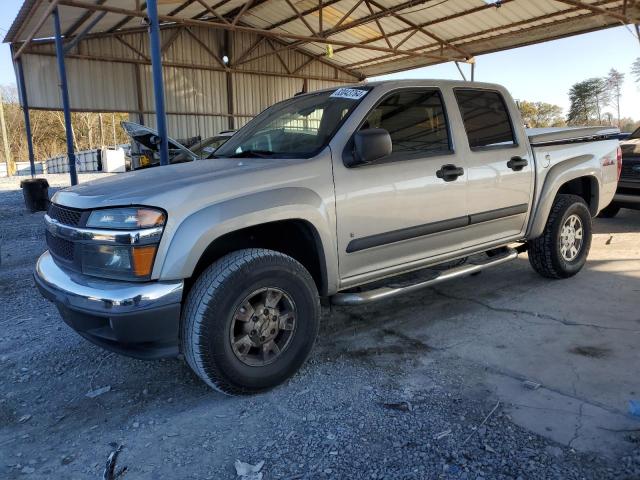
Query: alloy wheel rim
point(571, 238)
point(262, 326)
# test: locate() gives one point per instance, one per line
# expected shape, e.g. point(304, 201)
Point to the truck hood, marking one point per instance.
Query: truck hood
point(169, 185)
point(148, 137)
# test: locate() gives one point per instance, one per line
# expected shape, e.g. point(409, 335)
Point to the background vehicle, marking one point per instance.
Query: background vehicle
point(628, 191)
point(144, 151)
point(356, 194)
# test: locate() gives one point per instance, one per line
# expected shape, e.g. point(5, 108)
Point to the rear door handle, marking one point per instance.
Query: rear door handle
point(517, 163)
point(449, 172)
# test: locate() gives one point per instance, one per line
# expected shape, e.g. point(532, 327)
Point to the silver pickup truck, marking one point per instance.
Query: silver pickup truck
point(350, 194)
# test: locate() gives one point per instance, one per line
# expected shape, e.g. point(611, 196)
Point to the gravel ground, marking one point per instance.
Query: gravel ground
point(397, 408)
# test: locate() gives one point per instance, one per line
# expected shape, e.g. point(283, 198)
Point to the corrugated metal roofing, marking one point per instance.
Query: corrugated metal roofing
point(276, 47)
point(453, 29)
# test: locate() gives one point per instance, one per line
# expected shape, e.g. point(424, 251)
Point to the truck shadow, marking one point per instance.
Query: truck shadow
point(627, 221)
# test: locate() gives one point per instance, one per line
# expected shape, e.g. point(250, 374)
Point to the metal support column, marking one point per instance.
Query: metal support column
point(62, 73)
point(158, 83)
point(24, 100)
point(229, 77)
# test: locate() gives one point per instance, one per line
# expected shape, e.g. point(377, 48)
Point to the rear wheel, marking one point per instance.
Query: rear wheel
point(250, 321)
point(609, 212)
point(561, 251)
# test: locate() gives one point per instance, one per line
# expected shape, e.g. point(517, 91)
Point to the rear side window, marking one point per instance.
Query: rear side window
point(415, 119)
point(486, 119)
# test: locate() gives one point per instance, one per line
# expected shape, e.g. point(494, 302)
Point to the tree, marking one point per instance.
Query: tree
point(540, 114)
point(628, 124)
point(614, 81)
point(47, 129)
point(635, 70)
point(587, 100)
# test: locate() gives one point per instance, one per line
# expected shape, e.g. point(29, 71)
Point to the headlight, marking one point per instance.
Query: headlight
point(122, 255)
point(127, 218)
point(118, 261)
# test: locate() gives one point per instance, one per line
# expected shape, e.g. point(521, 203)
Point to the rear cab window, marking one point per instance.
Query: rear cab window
point(486, 119)
point(416, 121)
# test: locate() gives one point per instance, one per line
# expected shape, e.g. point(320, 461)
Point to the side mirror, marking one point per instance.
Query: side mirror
point(371, 144)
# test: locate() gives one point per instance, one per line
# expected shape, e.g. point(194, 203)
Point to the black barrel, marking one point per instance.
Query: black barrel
point(36, 194)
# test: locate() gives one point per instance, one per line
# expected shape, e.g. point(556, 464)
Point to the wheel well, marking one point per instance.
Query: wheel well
point(585, 187)
point(296, 238)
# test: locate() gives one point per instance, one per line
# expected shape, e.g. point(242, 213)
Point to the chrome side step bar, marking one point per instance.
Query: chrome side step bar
point(381, 293)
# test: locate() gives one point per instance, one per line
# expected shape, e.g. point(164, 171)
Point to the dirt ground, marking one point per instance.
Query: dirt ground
point(430, 385)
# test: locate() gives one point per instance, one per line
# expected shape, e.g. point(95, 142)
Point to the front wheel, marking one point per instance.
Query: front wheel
point(250, 321)
point(561, 251)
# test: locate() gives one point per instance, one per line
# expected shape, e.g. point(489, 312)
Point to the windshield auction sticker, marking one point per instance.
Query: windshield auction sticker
point(350, 93)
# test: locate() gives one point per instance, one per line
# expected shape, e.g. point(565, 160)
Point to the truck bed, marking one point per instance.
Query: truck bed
point(559, 135)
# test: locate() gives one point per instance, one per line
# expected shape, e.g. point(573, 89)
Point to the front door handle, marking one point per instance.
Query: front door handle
point(449, 172)
point(517, 163)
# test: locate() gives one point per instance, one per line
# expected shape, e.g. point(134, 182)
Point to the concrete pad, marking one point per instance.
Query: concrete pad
point(577, 337)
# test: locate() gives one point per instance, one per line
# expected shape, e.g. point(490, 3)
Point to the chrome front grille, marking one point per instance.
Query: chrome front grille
point(60, 247)
point(65, 215)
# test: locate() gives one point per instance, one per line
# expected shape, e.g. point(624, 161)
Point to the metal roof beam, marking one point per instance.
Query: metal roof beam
point(431, 22)
point(172, 38)
point(379, 25)
point(215, 6)
point(213, 11)
point(78, 23)
point(464, 13)
point(207, 49)
point(131, 47)
point(249, 50)
point(137, 61)
point(75, 40)
point(346, 15)
point(373, 17)
point(301, 17)
point(126, 20)
point(52, 6)
point(423, 30)
point(247, 29)
point(597, 9)
point(245, 7)
point(282, 62)
point(319, 8)
point(461, 38)
point(360, 21)
point(181, 7)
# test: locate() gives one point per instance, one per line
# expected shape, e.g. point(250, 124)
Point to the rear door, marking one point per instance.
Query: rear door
point(399, 209)
point(500, 168)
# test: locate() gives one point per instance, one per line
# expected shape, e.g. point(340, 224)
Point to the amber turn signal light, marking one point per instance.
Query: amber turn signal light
point(142, 260)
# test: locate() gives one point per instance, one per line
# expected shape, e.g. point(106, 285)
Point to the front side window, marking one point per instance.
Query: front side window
point(415, 120)
point(486, 119)
point(296, 128)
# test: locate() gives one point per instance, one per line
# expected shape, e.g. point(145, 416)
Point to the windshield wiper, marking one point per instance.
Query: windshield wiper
point(253, 153)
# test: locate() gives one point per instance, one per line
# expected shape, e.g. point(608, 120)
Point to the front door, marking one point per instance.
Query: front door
point(499, 166)
point(405, 207)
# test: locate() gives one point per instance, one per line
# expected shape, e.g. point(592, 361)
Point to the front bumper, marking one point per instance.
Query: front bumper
point(136, 319)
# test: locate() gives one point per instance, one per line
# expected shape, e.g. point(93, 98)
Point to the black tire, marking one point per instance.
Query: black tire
point(212, 302)
point(609, 211)
point(545, 251)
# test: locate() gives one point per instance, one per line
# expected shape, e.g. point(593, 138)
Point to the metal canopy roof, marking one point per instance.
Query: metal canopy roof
point(368, 37)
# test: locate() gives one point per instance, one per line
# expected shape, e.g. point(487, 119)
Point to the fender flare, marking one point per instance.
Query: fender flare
point(196, 232)
point(560, 174)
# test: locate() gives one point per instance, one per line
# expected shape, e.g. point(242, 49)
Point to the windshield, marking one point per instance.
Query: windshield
point(635, 135)
point(299, 127)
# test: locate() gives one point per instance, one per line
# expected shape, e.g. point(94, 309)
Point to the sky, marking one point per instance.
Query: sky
point(541, 73)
